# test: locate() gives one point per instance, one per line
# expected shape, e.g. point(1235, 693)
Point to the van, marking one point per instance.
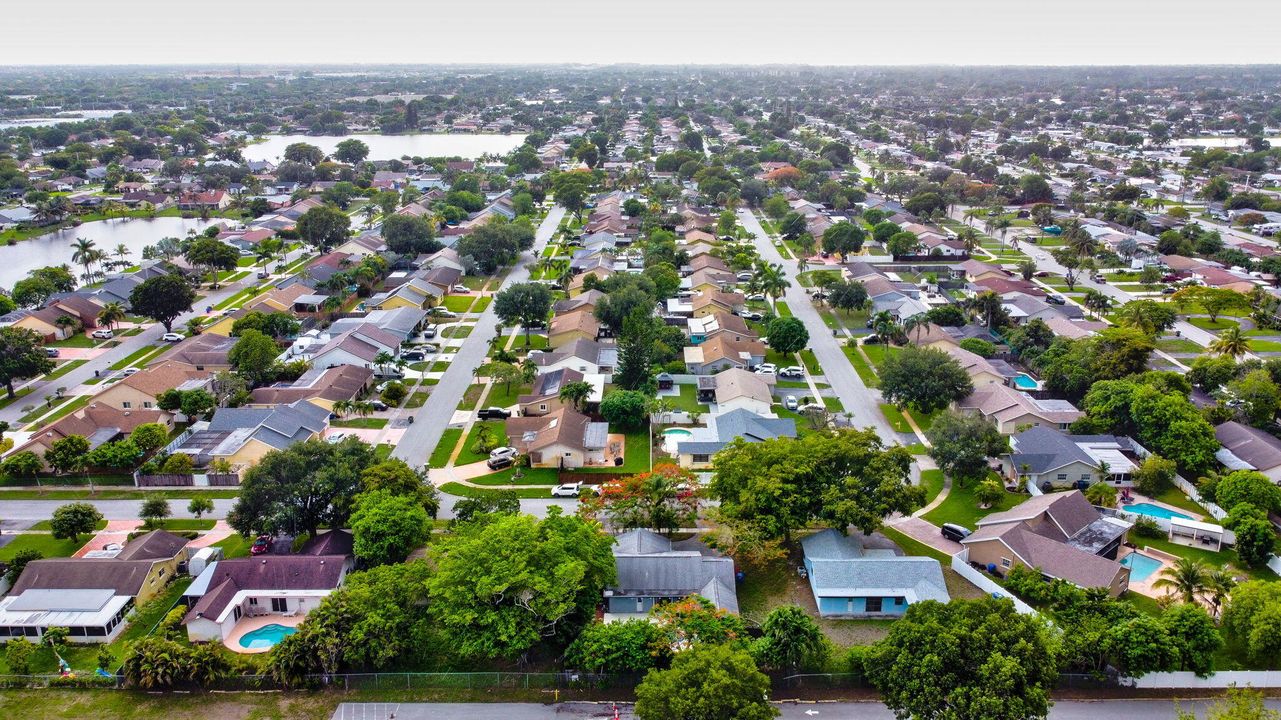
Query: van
point(954, 532)
point(389, 374)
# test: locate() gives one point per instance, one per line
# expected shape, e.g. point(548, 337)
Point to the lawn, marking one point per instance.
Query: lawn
point(1209, 557)
point(234, 546)
point(47, 545)
point(895, 418)
point(456, 331)
point(1265, 346)
point(782, 310)
point(1174, 496)
point(459, 303)
point(179, 524)
point(496, 428)
point(833, 404)
point(811, 362)
point(470, 397)
point(460, 490)
point(63, 369)
point(1178, 345)
point(503, 395)
point(365, 423)
point(530, 476)
point(861, 366)
point(923, 421)
point(1212, 326)
point(877, 353)
point(47, 525)
point(962, 509)
point(636, 457)
point(448, 441)
point(536, 341)
point(932, 481)
point(688, 400)
point(66, 409)
point(79, 340)
point(135, 356)
point(419, 399)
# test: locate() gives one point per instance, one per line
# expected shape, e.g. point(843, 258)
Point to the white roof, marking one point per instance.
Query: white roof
point(1196, 525)
point(62, 608)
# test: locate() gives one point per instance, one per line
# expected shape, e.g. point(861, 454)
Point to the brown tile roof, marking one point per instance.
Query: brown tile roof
point(344, 382)
point(155, 545)
point(581, 320)
point(167, 375)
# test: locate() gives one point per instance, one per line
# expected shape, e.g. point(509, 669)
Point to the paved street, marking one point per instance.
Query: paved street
point(856, 397)
point(430, 422)
point(1063, 710)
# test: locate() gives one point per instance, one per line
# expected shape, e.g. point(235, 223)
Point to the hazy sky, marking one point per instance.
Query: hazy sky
point(826, 32)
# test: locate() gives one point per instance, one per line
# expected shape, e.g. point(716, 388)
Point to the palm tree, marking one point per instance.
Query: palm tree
point(342, 408)
point(771, 280)
point(369, 211)
point(576, 393)
point(122, 251)
point(916, 323)
point(383, 359)
point(1187, 578)
point(1002, 224)
point(1096, 302)
point(111, 314)
point(970, 237)
point(884, 326)
point(67, 323)
point(1231, 342)
point(1219, 584)
point(83, 254)
point(267, 250)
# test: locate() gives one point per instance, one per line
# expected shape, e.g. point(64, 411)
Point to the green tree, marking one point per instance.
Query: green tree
point(351, 151)
point(1238, 704)
point(661, 499)
point(1260, 397)
point(576, 393)
point(155, 508)
point(1230, 343)
point(1186, 578)
point(923, 378)
point(72, 520)
point(503, 586)
point(1195, 637)
point(782, 485)
point(790, 640)
point(1155, 475)
point(17, 655)
point(615, 647)
point(149, 437)
point(18, 563)
point(706, 681)
point(1249, 487)
point(387, 527)
point(21, 356)
point(302, 487)
point(213, 255)
point(962, 444)
point(1142, 645)
point(396, 477)
point(68, 454)
point(324, 227)
point(200, 505)
point(625, 409)
point(966, 659)
point(788, 335)
point(409, 235)
point(22, 464)
point(253, 356)
point(162, 298)
point(1256, 541)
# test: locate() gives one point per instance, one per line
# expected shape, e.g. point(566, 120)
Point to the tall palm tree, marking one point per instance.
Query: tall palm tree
point(267, 250)
point(1001, 225)
point(884, 326)
point(1187, 578)
point(83, 254)
point(970, 237)
point(123, 252)
point(111, 314)
point(576, 393)
point(916, 323)
point(383, 359)
point(343, 408)
point(1096, 302)
point(1231, 342)
point(771, 280)
point(1219, 584)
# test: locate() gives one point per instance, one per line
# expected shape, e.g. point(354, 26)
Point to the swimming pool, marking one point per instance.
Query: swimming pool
point(1023, 381)
point(671, 436)
point(265, 636)
point(1151, 510)
point(1141, 566)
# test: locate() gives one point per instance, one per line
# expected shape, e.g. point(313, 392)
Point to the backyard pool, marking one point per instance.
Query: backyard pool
point(265, 636)
point(1141, 566)
point(671, 436)
point(1154, 511)
point(1023, 381)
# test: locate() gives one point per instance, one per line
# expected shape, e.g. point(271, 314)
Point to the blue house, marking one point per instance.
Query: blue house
point(653, 570)
point(851, 581)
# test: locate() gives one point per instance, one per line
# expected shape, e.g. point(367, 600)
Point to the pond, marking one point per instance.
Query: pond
point(76, 116)
point(1217, 142)
point(392, 147)
point(55, 248)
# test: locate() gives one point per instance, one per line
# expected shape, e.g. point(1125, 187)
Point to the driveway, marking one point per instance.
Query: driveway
point(855, 397)
point(421, 438)
point(925, 532)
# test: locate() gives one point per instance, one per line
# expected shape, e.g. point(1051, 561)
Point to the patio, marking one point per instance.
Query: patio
point(249, 623)
point(1144, 586)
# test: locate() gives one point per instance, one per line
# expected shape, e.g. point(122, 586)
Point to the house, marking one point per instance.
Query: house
point(739, 389)
point(714, 301)
point(982, 371)
point(974, 270)
point(704, 442)
point(203, 352)
point(90, 596)
point(851, 581)
point(241, 436)
point(1061, 535)
point(143, 389)
point(577, 285)
point(651, 570)
point(701, 328)
point(403, 322)
point(359, 346)
point(96, 422)
point(416, 293)
point(722, 351)
point(586, 356)
point(577, 325)
point(544, 397)
point(320, 386)
point(1048, 458)
point(207, 200)
point(708, 280)
point(279, 585)
point(1012, 410)
point(563, 438)
point(1247, 448)
point(585, 301)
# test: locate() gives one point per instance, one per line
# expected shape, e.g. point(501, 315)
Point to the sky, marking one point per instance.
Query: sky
point(815, 32)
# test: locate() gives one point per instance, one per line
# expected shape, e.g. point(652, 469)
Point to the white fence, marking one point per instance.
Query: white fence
point(1188, 680)
point(1190, 490)
point(962, 567)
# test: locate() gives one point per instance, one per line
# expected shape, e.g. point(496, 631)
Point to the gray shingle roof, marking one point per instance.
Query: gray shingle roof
point(648, 566)
point(838, 568)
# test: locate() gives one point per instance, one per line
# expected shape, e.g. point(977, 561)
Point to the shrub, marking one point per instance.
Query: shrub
point(1147, 527)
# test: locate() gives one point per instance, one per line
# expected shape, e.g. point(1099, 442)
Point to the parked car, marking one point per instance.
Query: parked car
point(1056, 299)
point(792, 371)
point(335, 438)
point(1098, 278)
point(744, 276)
point(750, 315)
point(443, 312)
point(262, 274)
point(389, 373)
point(51, 352)
point(103, 334)
point(378, 405)
point(262, 545)
point(1170, 278)
point(131, 371)
point(766, 369)
point(954, 532)
point(499, 463)
point(508, 451)
point(461, 289)
point(1041, 273)
point(759, 297)
point(567, 490)
point(493, 413)
point(790, 402)
point(1168, 291)
point(429, 332)
point(414, 355)
point(172, 337)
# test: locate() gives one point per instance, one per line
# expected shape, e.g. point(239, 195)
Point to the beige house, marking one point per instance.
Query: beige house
point(97, 422)
point(578, 325)
point(563, 438)
point(981, 372)
point(142, 390)
point(738, 389)
point(715, 301)
point(723, 350)
point(1014, 411)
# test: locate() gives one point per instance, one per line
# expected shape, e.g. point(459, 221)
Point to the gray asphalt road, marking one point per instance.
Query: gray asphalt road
point(430, 422)
point(856, 397)
point(1064, 710)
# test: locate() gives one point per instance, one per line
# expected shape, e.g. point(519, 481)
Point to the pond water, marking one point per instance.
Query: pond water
point(47, 121)
point(392, 147)
point(55, 248)
point(1217, 142)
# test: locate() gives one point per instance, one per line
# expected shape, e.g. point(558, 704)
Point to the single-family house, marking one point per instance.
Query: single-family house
point(544, 396)
point(1048, 458)
point(852, 581)
point(563, 438)
point(359, 346)
point(241, 436)
point(320, 386)
point(715, 301)
point(203, 352)
point(701, 328)
point(96, 422)
point(739, 389)
point(142, 390)
point(697, 451)
point(578, 325)
point(1247, 448)
point(1013, 410)
point(652, 569)
point(589, 357)
point(722, 351)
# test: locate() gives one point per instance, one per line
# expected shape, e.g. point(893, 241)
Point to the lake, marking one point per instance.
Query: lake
point(393, 147)
point(47, 121)
point(1217, 142)
point(55, 248)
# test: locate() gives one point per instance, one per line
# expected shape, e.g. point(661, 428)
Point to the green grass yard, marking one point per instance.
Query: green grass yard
point(496, 428)
point(688, 400)
point(448, 441)
point(45, 544)
point(961, 508)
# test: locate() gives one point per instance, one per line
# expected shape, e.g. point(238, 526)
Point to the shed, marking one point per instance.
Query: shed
point(1197, 533)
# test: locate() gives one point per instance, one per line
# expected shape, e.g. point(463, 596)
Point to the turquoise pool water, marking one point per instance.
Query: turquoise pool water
point(1141, 566)
point(1023, 381)
point(672, 436)
point(265, 636)
point(677, 432)
point(1154, 511)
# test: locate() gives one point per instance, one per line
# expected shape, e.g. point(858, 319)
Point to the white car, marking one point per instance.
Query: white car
point(567, 490)
point(461, 289)
point(172, 337)
point(757, 296)
point(335, 438)
point(766, 369)
point(795, 371)
point(744, 276)
point(790, 402)
point(442, 312)
point(503, 452)
point(103, 334)
point(131, 371)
